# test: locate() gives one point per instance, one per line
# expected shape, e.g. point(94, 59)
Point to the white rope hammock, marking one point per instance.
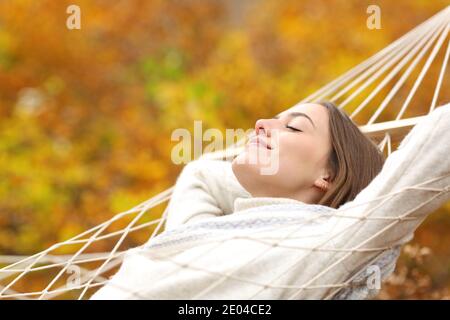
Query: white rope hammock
point(363, 84)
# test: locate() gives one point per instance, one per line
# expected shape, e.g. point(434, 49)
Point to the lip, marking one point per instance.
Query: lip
point(259, 141)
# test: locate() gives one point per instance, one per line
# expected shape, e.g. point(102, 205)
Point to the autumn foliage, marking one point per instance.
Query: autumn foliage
point(86, 115)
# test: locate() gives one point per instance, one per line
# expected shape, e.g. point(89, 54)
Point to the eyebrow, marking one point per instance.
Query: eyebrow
point(297, 114)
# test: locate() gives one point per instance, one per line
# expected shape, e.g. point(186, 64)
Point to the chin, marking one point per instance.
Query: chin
point(248, 173)
point(242, 163)
point(243, 170)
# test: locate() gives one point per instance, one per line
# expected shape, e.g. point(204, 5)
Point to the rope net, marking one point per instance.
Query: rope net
point(391, 77)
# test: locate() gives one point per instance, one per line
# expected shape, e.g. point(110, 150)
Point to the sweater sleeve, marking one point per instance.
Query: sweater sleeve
point(204, 189)
point(414, 182)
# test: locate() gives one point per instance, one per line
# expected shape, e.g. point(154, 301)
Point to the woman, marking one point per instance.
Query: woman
point(321, 158)
point(233, 232)
point(322, 161)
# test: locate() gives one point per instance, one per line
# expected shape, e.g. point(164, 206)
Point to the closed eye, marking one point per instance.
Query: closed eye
point(293, 129)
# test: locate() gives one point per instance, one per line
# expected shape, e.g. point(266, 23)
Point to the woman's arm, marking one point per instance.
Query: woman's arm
point(417, 179)
point(204, 189)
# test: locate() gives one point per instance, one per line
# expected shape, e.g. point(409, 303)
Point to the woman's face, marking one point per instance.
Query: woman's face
point(288, 156)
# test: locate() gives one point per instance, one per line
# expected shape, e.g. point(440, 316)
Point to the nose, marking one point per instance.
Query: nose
point(264, 126)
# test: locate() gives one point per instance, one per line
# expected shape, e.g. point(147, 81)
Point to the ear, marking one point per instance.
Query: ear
point(323, 182)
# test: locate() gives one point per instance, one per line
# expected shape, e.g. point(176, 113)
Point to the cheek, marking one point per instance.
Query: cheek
point(297, 157)
point(298, 149)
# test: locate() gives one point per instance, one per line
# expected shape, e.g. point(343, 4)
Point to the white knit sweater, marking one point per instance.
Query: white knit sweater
point(208, 204)
point(208, 188)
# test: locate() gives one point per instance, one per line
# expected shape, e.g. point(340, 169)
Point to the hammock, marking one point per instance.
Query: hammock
point(384, 214)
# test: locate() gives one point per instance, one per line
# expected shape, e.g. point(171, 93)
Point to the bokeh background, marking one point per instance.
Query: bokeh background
point(86, 115)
